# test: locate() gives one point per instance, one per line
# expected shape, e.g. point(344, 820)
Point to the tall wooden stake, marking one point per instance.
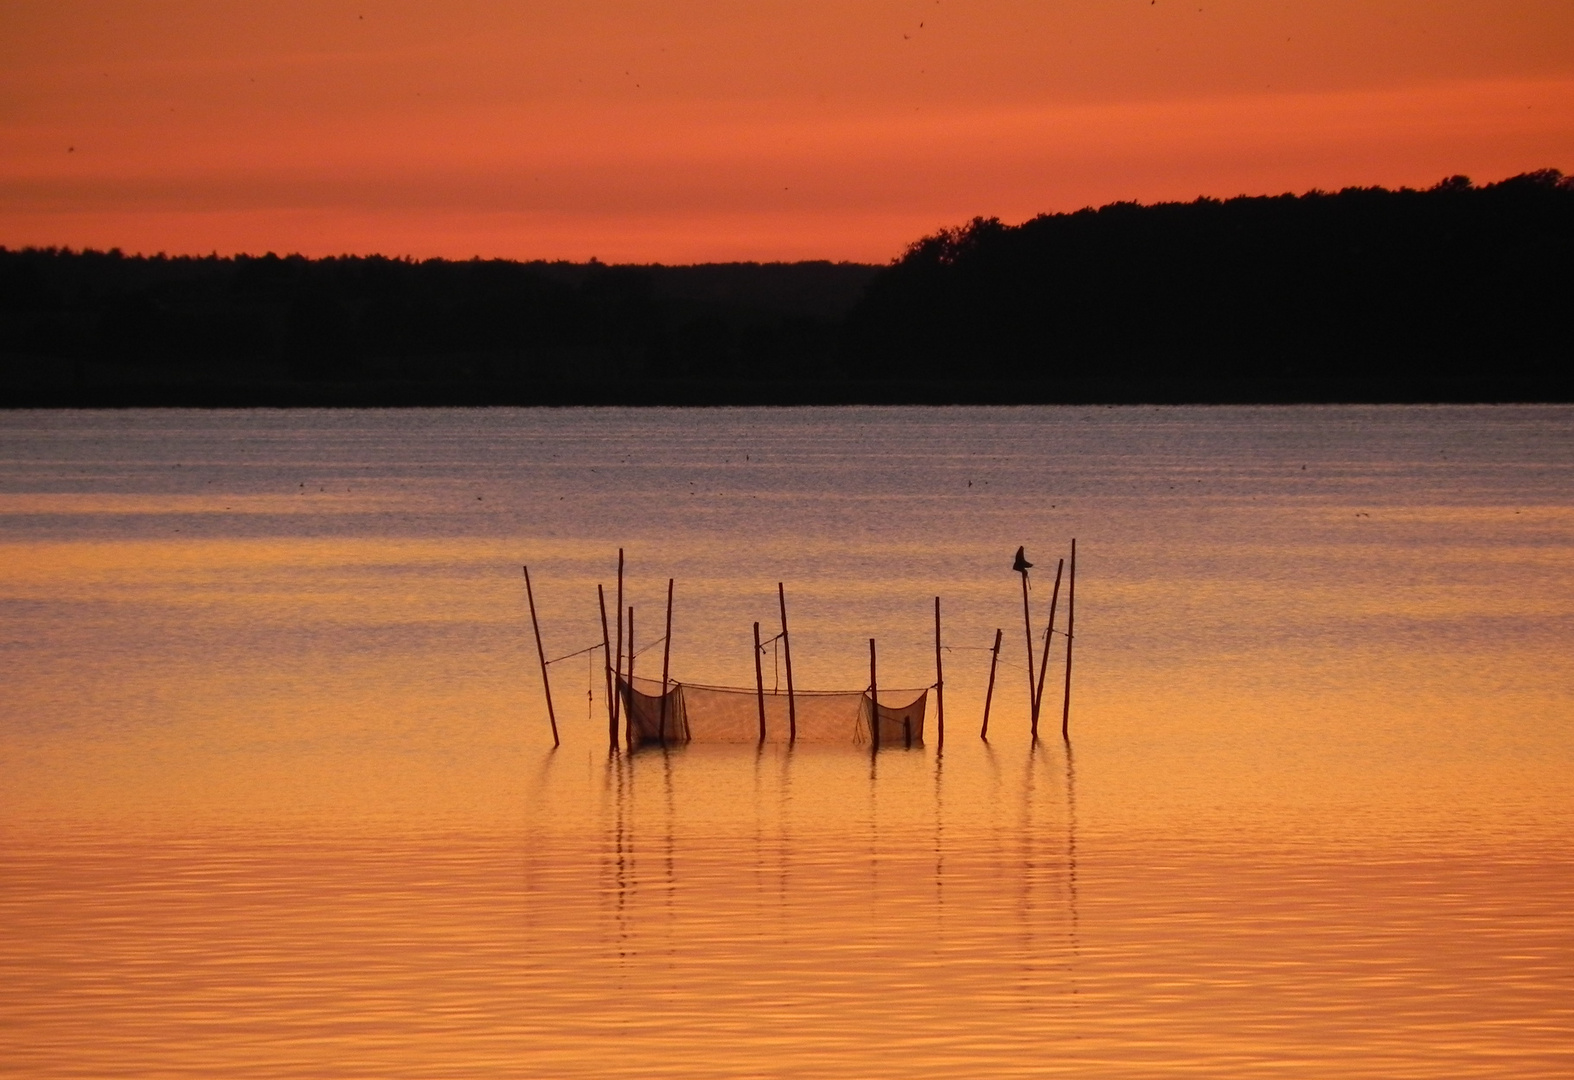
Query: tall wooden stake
point(1032, 672)
point(874, 701)
point(628, 714)
point(617, 657)
point(994, 658)
point(792, 705)
point(759, 681)
point(1071, 615)
point(666, 656)
point(1043, 665)
point(606, 656)
point(939, 686)
point(541, 654)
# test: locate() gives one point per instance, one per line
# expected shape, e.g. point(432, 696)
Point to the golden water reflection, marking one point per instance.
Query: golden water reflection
point(277, 795)
point(707, 920)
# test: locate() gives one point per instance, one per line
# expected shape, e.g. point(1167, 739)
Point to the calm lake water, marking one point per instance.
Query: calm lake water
point(278, 796)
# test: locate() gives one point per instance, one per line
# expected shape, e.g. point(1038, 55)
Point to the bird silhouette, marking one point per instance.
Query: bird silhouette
point(1021, 565)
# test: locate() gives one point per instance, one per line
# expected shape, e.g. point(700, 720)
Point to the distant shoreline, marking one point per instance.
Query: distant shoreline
point(1460, 293)
point(667, 395)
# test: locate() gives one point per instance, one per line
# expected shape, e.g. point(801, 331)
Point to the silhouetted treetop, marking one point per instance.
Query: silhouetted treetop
point(1365, 282)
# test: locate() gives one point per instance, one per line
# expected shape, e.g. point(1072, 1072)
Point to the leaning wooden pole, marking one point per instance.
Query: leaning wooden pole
point(874, 701)
point(939, 686)
point(617, 657)
point(541, 654)
point(1071, 615)
point(792, 704)
point(666, 657)
point(606, 656)
point(759, 681)
point(1043, 666)
point(994, 658)
point(1032, 672)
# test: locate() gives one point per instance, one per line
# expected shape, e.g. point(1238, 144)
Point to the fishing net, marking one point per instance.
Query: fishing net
point(689, 712)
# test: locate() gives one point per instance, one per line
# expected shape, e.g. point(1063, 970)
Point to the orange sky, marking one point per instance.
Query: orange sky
point(754, 129)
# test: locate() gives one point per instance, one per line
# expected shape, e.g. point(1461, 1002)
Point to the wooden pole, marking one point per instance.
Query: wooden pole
point(1038, 696)
point(666, 656)
point(792, 705)
point(628, 715)
point(617, 657)
point(759, 681)
point(939, 686)
point(994, 658)
point(1071, 615)
point(606, 656)
point(541, 654)
point(874, 701)
point(1032, 672)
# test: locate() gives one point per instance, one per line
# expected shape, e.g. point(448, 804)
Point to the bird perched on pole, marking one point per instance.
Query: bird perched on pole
point(1021, 565)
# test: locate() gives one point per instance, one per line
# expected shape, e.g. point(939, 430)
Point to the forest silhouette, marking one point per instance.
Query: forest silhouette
point(1456, 293)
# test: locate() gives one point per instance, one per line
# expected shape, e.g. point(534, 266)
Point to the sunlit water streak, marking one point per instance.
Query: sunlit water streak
point(278, 800)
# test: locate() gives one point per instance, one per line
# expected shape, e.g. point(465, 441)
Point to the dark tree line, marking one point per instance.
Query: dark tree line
point(1455, 293)
point(104, 327)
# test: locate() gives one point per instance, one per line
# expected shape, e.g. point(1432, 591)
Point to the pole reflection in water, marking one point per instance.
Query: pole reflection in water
point(874, 836)
point(745, 889)
point(939, 841)
point(1030, 861)
point(759, 868)
point(621, 864)
point(1073, 945)
point(784, 819)
point(670, 836)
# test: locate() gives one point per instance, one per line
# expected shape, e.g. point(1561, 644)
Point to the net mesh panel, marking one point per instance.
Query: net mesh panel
point(649, 714)
point(726, 714)
point(898, 726)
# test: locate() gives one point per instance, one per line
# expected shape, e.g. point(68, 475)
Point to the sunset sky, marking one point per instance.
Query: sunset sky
point(709, 130)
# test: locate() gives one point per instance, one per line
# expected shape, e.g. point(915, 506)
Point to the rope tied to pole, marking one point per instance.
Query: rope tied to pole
point(577, 652)
point(652, 645)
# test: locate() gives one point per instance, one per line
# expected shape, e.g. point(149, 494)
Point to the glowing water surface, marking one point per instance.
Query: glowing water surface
point(277, 796)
